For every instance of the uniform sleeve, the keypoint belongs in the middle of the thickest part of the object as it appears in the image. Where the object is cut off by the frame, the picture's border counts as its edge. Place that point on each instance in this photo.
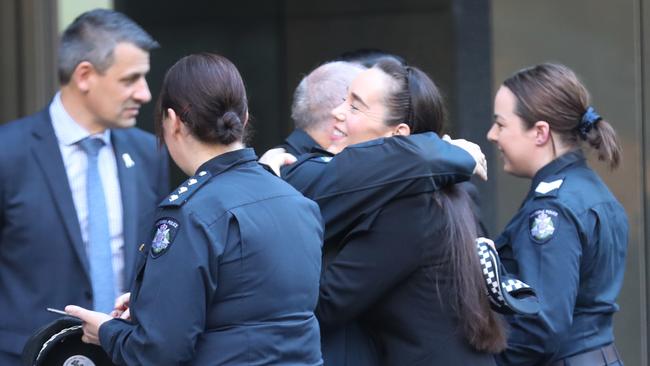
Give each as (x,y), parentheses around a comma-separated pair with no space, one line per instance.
(168,303)
(364,177)
(547,249)
(380,253)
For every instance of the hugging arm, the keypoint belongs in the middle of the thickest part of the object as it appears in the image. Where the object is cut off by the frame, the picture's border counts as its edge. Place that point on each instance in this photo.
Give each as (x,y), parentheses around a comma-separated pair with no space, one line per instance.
(366,176)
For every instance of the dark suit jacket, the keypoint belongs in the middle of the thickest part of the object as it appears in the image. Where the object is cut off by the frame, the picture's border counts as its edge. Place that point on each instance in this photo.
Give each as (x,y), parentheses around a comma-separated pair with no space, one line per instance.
(43,262)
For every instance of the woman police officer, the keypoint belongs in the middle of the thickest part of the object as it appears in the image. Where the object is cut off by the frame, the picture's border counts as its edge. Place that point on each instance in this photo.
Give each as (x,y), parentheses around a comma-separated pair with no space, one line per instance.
(569,238)
(231,274)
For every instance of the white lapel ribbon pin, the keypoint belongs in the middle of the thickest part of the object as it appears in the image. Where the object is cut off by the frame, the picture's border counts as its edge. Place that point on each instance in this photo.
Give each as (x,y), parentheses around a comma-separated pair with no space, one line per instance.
(128,162)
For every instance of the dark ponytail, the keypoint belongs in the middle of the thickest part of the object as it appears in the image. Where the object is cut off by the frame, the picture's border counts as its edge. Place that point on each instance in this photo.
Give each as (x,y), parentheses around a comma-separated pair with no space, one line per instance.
(483,328)
(415,100)
(603,139)
(553,93)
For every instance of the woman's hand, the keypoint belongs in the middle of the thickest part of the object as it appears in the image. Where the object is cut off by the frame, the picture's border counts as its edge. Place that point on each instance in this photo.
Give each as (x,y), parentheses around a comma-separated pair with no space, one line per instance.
(92,320)
(473,149)
(122,307)
(276,158)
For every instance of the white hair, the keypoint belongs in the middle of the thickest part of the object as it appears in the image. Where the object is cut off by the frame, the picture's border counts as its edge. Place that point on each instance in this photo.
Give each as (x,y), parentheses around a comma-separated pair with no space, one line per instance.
(320,92)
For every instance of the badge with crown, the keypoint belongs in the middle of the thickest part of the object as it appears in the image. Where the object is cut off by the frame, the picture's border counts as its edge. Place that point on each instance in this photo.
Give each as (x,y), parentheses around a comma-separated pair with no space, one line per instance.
(165,232)
(543,224)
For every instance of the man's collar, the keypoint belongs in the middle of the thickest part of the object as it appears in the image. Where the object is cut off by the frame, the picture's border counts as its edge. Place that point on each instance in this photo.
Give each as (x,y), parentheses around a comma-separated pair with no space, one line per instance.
(67,130)
(301,141)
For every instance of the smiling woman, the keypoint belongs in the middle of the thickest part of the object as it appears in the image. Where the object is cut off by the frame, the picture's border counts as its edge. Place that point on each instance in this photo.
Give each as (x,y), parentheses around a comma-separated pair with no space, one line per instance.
(361,116)
(401,282)
(512,137)
(569,237)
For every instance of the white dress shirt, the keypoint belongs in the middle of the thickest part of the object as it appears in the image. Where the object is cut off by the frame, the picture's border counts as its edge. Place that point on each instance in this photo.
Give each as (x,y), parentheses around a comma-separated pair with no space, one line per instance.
(69,133)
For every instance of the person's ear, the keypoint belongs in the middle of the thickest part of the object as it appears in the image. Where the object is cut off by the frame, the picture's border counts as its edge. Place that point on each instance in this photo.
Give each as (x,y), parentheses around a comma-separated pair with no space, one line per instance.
(82,76)
(542,132)
(174,122)
(402,129)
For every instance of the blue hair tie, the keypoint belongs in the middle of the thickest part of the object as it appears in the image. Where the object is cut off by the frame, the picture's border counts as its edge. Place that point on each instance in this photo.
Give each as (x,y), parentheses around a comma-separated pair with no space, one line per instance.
(589,119)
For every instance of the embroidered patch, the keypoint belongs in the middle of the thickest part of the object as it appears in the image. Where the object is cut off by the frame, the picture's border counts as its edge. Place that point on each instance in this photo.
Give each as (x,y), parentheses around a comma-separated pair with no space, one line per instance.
(543,224)
(166,230)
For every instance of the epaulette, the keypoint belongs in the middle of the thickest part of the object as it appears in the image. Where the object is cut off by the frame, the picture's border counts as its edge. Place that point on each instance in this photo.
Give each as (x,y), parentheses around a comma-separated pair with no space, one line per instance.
(549,189)
(181,194)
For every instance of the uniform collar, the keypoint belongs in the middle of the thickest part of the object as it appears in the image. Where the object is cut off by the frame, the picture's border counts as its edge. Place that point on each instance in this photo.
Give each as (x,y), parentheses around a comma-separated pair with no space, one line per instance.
(301,141)
(68,132)
(225,161)
(557,165)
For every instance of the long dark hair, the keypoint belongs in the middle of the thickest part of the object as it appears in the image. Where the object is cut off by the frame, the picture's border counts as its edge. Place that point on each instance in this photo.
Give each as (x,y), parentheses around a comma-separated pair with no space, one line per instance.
(415,100)
(553,93)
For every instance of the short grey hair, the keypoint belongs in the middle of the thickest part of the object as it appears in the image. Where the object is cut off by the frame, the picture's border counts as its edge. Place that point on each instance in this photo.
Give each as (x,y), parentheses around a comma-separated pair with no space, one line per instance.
(320,92)
(92,37)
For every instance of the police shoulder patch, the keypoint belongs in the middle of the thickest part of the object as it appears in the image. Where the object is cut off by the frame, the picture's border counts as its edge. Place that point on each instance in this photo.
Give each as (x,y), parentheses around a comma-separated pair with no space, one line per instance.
(543,224)
(166,229)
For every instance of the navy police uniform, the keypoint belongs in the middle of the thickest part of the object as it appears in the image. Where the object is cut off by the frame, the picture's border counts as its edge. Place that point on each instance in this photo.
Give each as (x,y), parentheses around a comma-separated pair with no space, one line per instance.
(230,276)
(299,142)
(568,241)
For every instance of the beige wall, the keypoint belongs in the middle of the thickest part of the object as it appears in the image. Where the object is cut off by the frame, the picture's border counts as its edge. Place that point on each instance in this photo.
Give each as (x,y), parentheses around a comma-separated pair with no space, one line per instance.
(70,9)
(27,44)
(29,31)
(602,41)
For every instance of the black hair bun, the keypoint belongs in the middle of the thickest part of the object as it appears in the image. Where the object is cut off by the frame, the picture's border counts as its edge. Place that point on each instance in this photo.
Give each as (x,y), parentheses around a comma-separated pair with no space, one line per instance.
(229,128)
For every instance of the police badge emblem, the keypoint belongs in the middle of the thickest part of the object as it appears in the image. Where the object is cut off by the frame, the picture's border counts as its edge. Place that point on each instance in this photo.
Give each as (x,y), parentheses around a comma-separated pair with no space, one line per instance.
(543,224)
(165,232)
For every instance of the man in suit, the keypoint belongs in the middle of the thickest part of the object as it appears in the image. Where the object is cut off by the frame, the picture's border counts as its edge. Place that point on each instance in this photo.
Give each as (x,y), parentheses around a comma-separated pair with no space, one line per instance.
(78,183)
(315,97)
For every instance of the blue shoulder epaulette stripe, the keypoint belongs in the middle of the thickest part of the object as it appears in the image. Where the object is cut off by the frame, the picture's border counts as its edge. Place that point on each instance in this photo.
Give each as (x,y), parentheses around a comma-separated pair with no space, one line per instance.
(180,195)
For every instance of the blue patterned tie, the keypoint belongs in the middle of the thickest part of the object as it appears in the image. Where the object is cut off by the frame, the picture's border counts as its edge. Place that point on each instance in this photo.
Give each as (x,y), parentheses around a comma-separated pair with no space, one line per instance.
(99,241)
